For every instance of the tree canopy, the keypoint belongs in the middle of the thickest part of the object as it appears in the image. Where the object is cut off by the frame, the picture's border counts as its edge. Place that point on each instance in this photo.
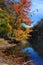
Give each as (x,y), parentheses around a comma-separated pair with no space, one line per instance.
(12,15)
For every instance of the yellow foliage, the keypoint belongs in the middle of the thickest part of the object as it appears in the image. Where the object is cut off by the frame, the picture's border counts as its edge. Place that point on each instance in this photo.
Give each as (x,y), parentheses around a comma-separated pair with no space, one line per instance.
(9,28)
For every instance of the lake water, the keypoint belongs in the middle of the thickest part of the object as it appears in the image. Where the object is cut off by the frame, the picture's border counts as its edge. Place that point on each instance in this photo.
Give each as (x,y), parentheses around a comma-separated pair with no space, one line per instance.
(36,59)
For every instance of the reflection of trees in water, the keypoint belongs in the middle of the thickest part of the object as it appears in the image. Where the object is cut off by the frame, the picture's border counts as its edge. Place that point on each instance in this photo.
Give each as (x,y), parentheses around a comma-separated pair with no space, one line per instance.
(37,38)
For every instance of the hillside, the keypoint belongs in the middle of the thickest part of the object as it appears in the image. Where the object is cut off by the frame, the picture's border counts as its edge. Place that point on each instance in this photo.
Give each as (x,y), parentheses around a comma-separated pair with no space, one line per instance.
(37,38)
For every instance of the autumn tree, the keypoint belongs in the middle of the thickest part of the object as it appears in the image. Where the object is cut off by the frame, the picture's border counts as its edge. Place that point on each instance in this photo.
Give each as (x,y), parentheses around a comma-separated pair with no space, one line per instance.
(17,16)
(12,16)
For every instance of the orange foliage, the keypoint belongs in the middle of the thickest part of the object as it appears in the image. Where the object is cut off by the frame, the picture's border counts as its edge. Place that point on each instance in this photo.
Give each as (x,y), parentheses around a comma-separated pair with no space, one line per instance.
(18,14)
(21,10)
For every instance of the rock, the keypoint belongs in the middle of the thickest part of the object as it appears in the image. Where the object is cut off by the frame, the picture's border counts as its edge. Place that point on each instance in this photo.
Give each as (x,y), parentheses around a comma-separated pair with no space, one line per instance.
(3,64)
(4,44)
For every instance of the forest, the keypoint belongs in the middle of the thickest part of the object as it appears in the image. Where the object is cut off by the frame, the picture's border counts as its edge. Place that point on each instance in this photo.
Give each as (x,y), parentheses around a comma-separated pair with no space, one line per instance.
(14,37)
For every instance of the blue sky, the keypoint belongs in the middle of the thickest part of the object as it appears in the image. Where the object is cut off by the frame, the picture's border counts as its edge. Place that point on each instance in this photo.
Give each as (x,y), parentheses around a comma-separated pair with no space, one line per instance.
(36,16)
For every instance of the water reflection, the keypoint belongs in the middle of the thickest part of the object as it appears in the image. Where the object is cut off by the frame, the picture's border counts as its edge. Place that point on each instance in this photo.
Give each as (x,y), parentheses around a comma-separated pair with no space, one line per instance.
(36,59)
